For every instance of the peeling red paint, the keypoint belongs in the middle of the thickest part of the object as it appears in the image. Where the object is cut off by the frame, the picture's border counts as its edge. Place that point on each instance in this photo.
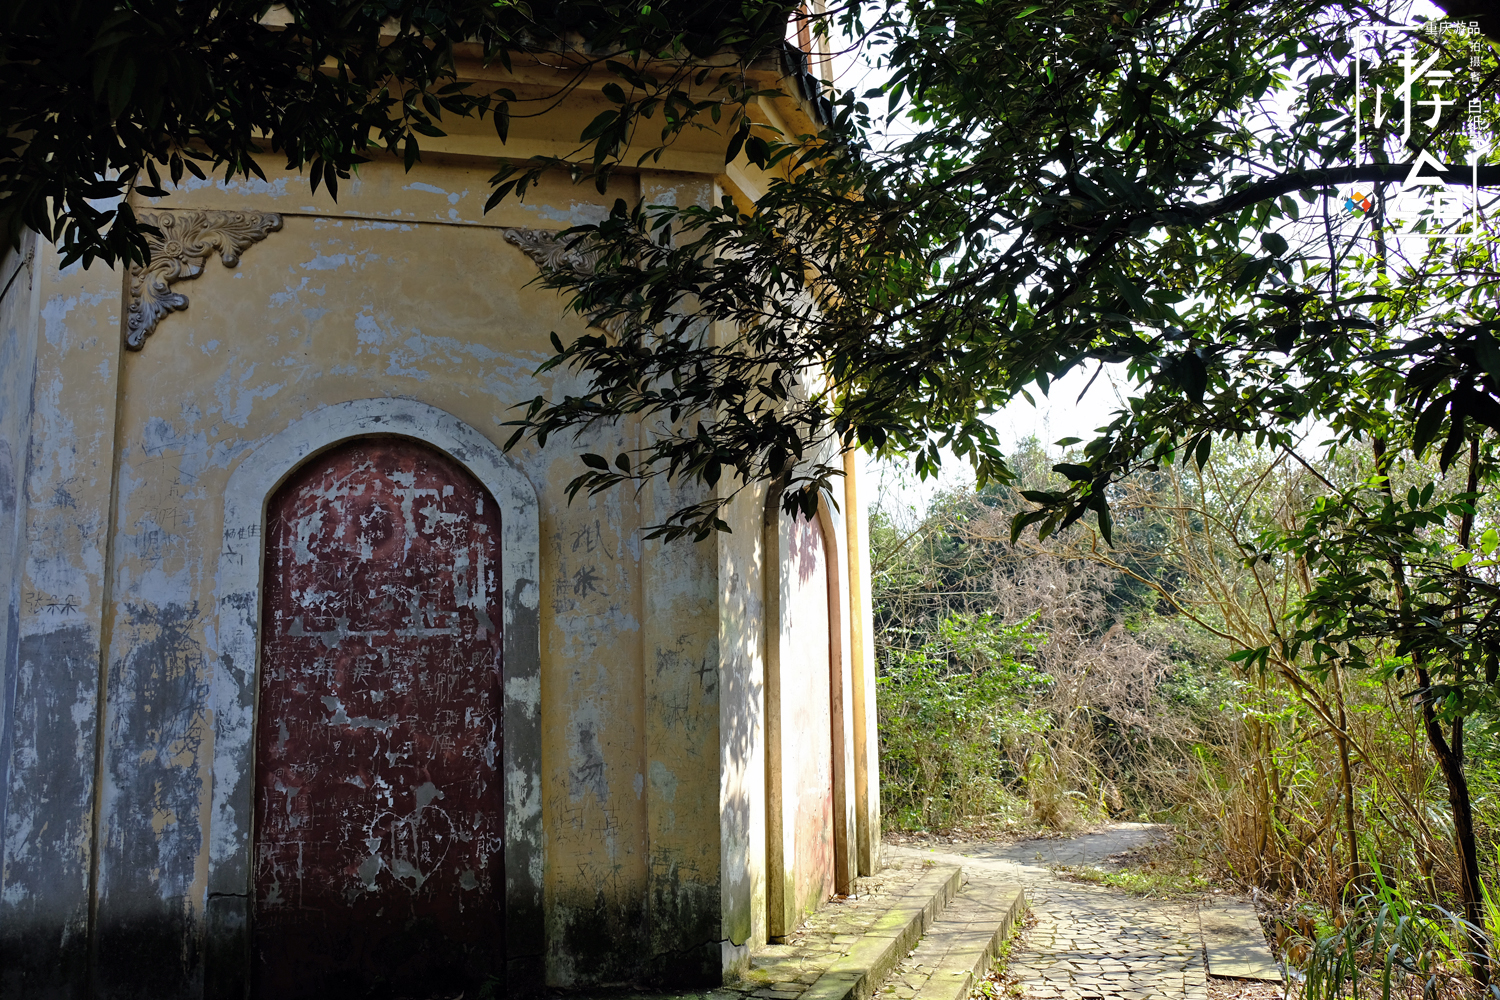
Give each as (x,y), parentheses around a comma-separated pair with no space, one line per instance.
(379,818)
(807,692)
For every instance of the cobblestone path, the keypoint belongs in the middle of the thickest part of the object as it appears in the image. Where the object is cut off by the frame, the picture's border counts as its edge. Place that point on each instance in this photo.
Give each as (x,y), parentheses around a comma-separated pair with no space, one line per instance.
(1088,941)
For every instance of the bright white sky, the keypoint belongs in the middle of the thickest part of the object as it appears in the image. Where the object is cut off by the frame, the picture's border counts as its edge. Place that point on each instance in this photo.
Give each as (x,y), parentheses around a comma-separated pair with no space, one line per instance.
(1061,414)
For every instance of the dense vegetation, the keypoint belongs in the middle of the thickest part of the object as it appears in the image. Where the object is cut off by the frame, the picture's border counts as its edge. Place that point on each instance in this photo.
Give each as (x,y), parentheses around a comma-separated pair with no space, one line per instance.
(1033,685)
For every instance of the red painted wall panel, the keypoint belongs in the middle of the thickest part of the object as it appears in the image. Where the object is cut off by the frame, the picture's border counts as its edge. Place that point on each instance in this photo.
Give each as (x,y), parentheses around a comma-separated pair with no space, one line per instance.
(379,816)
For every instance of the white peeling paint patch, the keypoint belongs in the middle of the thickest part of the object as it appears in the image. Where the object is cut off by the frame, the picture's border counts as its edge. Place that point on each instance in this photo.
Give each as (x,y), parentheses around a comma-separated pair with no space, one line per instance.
(210,347)
(240,185)
(55,315)
(226,453)
(530,595)
(237,396)
(454,197)
(400,227)
(368,330)
(516,377)
(639,784)
(160,587)
(445,350)
(579,213)
(342,718)
(664,788)
(523,800)
(663,782)
(83,709)
(395,367)
(290,296)
(55,456)
(331,262)
(526,692)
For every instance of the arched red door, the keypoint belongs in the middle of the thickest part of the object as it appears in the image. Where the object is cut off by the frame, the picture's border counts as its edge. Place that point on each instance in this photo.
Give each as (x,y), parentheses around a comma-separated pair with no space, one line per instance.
(379,817)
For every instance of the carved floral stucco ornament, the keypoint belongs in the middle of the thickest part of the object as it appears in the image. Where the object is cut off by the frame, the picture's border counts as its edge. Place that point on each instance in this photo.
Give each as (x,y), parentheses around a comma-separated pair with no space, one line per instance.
(186,242)
(550,251)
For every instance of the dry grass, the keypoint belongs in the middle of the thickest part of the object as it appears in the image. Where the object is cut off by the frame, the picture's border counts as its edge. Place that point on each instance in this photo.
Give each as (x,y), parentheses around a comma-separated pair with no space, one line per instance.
(1225,988)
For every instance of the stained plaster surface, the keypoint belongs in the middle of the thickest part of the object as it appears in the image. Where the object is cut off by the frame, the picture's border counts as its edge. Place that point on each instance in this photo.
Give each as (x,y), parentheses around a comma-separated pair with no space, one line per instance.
(327,310)
(652,655)
(742,787)
(403,288)
(52,666)
(787,970)
(17,364)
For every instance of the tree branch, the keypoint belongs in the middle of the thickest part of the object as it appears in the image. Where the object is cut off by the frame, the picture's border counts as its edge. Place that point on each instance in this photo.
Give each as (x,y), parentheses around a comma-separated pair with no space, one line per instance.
(1489,176)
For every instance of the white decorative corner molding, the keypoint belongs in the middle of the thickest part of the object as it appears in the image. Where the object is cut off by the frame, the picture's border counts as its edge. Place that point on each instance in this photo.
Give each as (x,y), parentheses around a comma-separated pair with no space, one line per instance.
(186,242)
(550,251)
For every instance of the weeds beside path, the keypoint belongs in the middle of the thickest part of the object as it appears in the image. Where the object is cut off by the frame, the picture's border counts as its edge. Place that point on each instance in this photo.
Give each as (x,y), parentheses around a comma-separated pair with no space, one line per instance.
(1089,939)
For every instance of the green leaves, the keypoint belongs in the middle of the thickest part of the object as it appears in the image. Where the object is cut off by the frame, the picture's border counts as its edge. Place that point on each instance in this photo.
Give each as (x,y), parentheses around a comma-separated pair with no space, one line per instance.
(737,142)
(1071,185)
(104,91)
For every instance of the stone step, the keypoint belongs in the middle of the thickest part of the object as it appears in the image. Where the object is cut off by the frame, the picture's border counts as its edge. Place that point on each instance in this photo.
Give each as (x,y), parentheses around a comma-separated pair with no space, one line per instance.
(869,960)
(962,944)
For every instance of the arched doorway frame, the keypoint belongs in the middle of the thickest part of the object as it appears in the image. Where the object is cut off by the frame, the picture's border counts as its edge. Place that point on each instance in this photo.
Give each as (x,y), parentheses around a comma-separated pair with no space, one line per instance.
(238,595)
(782,913)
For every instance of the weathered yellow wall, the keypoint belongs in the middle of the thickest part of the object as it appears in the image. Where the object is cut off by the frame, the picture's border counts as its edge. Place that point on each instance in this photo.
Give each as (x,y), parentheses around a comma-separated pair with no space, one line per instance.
(653,655)
(346,302)
(69,333)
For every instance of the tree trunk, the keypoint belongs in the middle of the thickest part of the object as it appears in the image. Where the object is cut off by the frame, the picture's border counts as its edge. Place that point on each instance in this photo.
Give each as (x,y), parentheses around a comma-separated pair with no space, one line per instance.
(1451,760)
(1451,755)
(1347,779)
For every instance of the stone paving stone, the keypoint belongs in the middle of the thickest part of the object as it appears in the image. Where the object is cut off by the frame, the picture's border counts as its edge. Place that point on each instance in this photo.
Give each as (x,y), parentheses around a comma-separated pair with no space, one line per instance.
(1088,941)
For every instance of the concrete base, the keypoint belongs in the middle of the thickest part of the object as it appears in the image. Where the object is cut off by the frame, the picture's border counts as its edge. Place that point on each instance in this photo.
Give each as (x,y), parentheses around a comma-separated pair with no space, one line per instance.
(1234,943)
(857,975)
(963,944)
